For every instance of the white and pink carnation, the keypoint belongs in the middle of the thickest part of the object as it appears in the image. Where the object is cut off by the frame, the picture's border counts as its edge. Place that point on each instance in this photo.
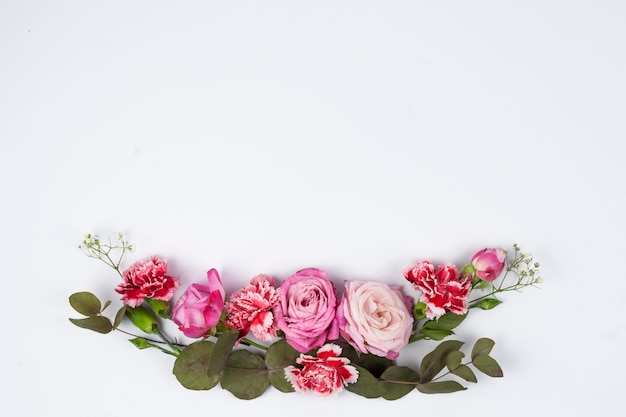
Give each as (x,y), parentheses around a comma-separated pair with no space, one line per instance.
(250,309)
(147,279)
(442,291)
(326,374)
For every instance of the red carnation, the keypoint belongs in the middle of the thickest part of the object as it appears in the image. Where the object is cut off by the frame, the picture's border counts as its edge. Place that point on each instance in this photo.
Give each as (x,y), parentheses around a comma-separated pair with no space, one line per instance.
(442,291)
(147,279)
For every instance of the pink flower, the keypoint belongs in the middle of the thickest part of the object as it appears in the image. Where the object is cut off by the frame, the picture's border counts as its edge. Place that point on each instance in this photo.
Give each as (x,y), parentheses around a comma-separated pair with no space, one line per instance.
(147,279)
(325,374)
(375,318)
(250,308)
(489,263)
(199,308)
(442,291)
(306,311)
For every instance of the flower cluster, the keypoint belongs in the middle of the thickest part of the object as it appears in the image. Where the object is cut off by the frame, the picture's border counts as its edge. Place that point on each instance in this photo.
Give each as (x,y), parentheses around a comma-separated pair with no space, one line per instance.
(308,324)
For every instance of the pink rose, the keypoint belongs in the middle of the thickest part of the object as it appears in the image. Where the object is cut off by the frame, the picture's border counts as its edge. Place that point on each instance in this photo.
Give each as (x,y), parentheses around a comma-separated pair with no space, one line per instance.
(375,318)
(199,308)
(147,279)
(250,309)
(489,263)
(442,291)
(306,311)
(325,374)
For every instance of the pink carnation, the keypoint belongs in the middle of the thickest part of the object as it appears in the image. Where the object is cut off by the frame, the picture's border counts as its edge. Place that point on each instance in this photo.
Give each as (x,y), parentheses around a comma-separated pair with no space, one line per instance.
(325,374)
(442,291)
(250,309)
(147,279)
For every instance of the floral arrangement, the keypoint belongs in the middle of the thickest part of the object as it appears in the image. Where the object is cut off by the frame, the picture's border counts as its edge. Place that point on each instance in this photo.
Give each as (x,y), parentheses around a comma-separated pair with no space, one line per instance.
(302,335)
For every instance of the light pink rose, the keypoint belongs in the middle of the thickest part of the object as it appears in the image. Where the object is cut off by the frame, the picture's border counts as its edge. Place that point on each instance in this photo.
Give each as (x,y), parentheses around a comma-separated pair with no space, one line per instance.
(306,311)
(375,318)
(489,263)
(442,291)
(325,374)
(199,308)
(147,279)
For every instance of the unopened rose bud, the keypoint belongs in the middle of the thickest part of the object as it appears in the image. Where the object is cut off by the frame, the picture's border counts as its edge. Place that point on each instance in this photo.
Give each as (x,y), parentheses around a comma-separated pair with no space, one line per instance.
(489,263)
(143,319)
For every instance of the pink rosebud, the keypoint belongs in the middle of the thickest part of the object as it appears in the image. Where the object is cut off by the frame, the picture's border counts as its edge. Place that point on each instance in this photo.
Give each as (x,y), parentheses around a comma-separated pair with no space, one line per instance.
(306,311)
(489,263)
(199,308)
(375,318)
(325,374)
(147,279)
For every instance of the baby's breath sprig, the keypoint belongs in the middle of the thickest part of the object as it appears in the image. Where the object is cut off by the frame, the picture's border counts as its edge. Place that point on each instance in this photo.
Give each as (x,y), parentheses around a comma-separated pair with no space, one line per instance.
(526,272)
(106,252)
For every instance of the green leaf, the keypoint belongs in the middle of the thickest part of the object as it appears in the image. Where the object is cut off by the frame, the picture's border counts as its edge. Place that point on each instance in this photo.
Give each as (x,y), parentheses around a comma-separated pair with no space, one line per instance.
(279,356)
(435,361)
(119,317)
(245,375)
(487,365)
(366,385)
(436,334)
(488,303)
(141,343)
(376,365)
(223,348)
(85,303)
(192,364)
(398,381)
(446,322)
(453,360)
(98,324)
(440,387)
(463,371)
(106,304)
(482,346)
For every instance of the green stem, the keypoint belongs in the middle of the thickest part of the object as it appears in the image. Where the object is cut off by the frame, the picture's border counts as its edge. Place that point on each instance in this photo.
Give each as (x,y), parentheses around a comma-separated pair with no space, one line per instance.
(249,342)
(175,350)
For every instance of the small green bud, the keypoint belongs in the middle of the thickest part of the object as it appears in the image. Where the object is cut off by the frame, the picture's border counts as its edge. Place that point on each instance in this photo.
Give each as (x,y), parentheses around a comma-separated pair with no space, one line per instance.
(161,308)
(419,311)
(143,319)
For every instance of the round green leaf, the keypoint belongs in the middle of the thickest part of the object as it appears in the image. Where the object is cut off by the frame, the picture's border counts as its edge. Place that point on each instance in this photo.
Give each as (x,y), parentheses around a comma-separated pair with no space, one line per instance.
(398,381)
(86,303)
(464,372)
(376,365)
(192,364)
(279,356)
(435,361)
(245,375)
(98,324)
(453,360)
(488,366)
(366,385)
(482,346)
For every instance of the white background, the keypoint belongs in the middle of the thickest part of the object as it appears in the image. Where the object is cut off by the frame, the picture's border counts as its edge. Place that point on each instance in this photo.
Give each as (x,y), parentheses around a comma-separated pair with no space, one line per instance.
(353,136)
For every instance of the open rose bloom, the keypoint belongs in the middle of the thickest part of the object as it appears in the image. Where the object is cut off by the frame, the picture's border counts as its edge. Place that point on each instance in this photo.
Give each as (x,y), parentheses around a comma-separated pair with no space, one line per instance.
(375,318)
(306,311)
(325,374)
(147,279)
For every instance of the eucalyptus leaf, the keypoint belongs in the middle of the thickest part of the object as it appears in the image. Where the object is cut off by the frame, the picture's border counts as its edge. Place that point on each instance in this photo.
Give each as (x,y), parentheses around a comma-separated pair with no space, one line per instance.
(119,317)
(482,346)
(487,365)
(463,371)
(435,361)
(376,365)
(366,385)
(398,381)
(446,322)
(223,348)
(190,367)
(279,356)
(106,304)
(453,360)
(86,303)
(245,375)
(440,387)
(98,324)
(436,334)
